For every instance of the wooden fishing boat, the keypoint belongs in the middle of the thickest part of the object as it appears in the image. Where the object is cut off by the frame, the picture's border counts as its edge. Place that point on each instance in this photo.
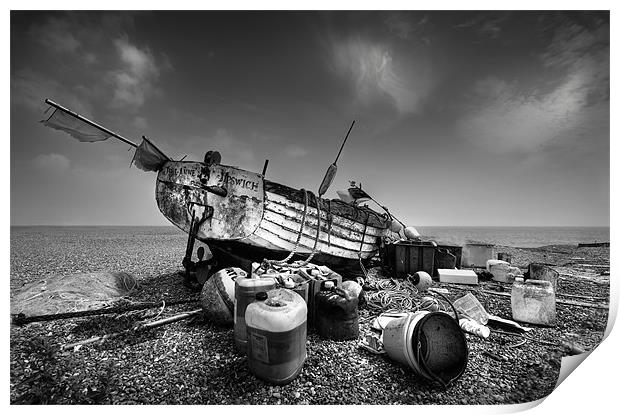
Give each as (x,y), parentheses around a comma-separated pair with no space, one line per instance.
(244,218)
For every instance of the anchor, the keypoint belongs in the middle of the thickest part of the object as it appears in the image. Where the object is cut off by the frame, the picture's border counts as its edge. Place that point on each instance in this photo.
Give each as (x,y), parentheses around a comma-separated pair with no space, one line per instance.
(189,265)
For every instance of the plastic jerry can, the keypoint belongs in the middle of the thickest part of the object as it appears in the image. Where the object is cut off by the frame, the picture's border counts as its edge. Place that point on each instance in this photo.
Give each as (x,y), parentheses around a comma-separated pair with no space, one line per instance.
(476,254)
(336,316)
(533,301)
(276,332)
(499,269)
(245,293)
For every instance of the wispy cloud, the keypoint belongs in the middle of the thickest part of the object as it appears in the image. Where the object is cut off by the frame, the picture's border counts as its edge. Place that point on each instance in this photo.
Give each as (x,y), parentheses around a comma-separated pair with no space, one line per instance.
(379,74)
(234,151)
(56,34)
(403,25)
(29,88)
(51,163)
(583,53)
(135,80)
(90,59)
(294,150)
(506,117)
(485,24)
(140,122)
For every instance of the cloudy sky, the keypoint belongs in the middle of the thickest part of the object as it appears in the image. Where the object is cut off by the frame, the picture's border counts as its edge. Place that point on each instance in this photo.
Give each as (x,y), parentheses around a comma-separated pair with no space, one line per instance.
(462,118)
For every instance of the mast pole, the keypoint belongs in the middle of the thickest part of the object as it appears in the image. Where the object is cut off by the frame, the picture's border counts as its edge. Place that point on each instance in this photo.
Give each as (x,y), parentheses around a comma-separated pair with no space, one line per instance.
(345,140)
(89,122)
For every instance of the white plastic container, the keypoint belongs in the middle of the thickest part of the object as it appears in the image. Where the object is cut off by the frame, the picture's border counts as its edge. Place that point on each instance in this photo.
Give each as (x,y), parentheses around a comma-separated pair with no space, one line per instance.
(476,255)
(499,270)
(533,301)
(458,276)
(491,262)
(276,332)
(472,327)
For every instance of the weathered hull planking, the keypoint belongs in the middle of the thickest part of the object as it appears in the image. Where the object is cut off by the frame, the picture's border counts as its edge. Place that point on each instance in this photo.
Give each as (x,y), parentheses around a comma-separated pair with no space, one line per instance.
(244,217)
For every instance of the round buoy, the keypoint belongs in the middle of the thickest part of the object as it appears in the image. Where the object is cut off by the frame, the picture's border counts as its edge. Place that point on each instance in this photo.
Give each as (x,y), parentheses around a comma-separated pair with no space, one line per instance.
(422,280)
(411,232)
(218,295)
(395,226)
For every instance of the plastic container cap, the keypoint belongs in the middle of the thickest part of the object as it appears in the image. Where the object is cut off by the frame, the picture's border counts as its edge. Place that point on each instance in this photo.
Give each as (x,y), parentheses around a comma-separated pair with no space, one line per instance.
(261,296)
(329,285)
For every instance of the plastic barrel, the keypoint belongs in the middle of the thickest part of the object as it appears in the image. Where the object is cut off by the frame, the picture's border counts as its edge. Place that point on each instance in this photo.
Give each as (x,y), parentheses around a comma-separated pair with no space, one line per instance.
(431,343)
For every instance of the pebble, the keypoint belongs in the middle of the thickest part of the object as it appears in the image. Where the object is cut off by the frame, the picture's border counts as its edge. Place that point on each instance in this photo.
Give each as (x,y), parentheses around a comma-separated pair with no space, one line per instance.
(347,374)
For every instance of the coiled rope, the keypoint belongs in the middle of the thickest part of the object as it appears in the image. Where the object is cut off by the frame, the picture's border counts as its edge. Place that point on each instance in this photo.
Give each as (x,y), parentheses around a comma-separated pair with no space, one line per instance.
(390,295)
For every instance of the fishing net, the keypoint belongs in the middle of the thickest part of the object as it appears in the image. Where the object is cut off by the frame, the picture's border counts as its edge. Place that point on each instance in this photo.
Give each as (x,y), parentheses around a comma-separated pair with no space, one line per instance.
(70,293)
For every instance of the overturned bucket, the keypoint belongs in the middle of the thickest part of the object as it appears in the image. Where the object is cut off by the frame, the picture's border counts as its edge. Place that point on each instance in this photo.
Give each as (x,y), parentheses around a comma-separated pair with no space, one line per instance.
(431,343)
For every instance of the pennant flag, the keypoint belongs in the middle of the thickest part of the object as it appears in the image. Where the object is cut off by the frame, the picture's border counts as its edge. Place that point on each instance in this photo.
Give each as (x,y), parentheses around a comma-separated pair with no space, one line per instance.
(63,121)
(148,157)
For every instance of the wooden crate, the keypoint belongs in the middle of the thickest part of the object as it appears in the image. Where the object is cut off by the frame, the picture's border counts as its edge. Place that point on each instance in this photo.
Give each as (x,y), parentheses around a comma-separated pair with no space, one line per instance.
(407,257)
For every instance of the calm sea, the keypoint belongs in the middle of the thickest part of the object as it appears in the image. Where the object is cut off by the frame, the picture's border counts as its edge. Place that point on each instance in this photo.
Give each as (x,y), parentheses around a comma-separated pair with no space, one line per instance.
(524,237)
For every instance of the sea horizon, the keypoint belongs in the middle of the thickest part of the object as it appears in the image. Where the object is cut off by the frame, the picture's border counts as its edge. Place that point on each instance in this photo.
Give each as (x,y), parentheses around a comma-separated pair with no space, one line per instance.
(515,236)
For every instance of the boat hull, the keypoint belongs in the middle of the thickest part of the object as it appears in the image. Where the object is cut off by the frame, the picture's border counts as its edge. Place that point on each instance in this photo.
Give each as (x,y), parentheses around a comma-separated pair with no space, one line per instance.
(257,219)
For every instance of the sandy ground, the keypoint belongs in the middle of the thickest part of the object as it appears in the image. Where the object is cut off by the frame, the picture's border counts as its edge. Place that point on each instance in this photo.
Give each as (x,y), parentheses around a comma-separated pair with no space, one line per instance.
(194,362)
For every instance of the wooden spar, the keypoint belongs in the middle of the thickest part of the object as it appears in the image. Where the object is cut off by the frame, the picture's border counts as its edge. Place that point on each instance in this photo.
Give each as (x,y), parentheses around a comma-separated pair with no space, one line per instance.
(21,319)
(92,124)
(345,140)
(265,167)
(141,326)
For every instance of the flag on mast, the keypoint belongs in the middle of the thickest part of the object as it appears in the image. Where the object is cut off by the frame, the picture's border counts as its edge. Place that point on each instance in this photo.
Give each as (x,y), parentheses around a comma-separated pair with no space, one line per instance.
(148,157)
(76,128)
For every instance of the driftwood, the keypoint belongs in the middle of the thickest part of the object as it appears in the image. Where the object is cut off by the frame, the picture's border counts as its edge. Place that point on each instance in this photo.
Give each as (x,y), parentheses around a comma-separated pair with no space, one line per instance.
(21,319)
(139,327)
(558,301)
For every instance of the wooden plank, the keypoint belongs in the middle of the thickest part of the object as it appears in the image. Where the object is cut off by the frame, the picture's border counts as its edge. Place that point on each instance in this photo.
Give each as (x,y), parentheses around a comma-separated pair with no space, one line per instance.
(337,232)
(308,234)
(355,213)
(308,241)
(306,245)
(294,211)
